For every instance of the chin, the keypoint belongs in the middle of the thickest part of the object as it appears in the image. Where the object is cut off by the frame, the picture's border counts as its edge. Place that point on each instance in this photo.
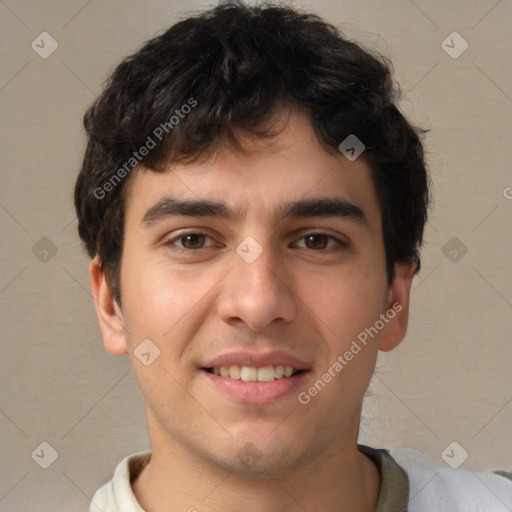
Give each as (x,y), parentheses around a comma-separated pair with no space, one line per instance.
(260,454)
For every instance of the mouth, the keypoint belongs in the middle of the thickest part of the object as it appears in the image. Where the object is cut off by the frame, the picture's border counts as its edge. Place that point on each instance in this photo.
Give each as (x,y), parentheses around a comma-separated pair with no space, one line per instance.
(254,373)
(256,379)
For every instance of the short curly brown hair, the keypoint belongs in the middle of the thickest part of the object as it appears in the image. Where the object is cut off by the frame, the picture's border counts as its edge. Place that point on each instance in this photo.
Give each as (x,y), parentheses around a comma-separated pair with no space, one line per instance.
(232,66)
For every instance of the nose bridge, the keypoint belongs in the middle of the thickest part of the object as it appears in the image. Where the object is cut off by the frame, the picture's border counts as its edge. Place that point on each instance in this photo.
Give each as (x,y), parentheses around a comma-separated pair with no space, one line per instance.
(258,273)
(256,291)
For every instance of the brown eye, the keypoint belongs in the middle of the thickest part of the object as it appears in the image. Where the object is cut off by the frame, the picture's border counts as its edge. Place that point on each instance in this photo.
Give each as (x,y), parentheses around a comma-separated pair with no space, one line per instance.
(192,241)
(320,242)
(317,241)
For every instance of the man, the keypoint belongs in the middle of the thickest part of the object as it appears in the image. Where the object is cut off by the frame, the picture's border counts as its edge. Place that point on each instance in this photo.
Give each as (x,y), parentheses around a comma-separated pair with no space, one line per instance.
(253,203)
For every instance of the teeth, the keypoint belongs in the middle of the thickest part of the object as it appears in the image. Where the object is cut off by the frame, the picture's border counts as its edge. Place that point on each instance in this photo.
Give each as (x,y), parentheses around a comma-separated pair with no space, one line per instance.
(253,374)
(279,372)
(249,374)
(266,374)
(234,371)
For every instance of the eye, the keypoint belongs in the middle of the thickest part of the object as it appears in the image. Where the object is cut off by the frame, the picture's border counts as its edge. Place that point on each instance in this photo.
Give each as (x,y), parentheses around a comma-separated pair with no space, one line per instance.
(319,241)
(191,240)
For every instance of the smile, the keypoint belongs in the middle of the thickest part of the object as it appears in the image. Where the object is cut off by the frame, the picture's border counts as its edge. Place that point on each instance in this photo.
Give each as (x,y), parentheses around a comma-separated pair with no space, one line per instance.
(253,373)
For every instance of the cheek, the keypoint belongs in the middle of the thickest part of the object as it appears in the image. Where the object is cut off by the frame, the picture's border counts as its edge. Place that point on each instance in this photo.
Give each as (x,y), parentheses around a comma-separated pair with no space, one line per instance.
(346,303)
(160,302)
(151,299)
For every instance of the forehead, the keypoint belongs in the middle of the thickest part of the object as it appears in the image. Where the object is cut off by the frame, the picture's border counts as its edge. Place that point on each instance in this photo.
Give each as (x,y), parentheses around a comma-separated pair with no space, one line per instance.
(259,182)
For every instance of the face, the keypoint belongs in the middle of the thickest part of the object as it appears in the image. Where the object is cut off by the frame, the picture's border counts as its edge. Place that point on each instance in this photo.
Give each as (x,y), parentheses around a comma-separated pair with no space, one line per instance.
(240,269)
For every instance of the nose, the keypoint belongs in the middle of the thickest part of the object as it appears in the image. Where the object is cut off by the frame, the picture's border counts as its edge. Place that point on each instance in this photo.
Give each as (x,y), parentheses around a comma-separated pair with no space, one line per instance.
(257,294)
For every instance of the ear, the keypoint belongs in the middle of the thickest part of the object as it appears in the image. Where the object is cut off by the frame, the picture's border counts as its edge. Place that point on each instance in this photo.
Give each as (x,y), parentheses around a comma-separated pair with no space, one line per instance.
(398,303)
(110,316)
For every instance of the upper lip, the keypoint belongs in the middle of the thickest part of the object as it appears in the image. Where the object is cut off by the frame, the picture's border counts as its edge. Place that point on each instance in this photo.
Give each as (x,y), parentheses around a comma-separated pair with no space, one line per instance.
(256,359)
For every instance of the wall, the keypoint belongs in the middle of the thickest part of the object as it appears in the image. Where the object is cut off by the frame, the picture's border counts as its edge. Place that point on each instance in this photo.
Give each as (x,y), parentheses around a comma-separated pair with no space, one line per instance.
(449,381)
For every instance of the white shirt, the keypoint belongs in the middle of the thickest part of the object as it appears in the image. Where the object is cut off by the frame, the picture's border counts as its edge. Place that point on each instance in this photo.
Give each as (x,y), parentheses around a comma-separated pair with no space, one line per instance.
(409,483)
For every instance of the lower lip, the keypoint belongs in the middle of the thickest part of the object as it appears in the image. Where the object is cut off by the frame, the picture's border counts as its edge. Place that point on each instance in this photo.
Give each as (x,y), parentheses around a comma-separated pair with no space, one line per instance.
(256,393)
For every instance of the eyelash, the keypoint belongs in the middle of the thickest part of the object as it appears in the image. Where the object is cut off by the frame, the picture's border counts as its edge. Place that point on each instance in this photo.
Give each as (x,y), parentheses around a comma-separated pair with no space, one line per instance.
(171,244)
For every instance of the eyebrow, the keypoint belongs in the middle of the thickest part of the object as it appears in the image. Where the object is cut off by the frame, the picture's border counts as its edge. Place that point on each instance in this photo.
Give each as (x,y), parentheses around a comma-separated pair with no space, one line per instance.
(303,208)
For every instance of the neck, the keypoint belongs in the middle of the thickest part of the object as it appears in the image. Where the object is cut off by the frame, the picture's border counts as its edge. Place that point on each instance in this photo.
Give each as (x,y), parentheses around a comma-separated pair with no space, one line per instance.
(340,479)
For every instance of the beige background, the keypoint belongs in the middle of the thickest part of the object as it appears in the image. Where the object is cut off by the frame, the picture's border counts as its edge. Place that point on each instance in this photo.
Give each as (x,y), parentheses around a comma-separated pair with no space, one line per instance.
(449,381)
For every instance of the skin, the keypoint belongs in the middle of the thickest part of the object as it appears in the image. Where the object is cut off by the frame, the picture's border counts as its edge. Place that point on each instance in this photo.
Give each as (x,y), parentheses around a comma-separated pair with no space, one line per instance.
(300,296)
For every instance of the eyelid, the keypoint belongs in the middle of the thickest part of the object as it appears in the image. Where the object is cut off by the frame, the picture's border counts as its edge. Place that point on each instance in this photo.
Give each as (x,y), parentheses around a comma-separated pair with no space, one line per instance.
(182,234)
(338,240)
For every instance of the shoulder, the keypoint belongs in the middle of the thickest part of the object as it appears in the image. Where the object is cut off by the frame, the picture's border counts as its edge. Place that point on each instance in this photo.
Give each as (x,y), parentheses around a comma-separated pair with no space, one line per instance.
(450,489)
(117,495)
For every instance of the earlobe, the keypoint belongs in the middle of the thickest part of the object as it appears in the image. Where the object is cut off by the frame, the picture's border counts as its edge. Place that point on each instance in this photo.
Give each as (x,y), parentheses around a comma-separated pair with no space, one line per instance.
(110,316)
(398,306)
